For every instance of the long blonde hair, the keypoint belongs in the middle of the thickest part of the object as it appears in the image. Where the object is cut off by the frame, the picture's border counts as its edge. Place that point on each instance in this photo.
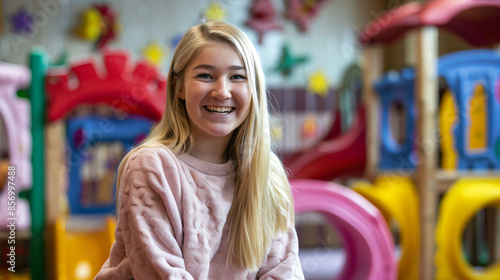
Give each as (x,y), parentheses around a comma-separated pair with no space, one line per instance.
(263,204)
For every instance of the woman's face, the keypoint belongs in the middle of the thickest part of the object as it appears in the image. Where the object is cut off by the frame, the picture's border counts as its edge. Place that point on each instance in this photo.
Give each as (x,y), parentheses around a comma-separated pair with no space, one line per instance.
(215,89)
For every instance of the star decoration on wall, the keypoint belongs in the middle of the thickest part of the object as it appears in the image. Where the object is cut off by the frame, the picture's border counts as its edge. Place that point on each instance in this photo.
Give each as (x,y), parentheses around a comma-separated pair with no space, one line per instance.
(303,11)
(289,61)
(215,12)
(22,21)
(154,53)
(262,18)
(318,83)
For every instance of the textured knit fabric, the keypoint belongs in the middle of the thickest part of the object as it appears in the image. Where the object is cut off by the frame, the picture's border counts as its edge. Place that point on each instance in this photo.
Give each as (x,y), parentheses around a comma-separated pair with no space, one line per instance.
(172,223)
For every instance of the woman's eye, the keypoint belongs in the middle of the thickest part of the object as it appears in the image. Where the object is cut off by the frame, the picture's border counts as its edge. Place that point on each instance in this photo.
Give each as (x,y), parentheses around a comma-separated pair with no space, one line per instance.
(204,76)
(238,77)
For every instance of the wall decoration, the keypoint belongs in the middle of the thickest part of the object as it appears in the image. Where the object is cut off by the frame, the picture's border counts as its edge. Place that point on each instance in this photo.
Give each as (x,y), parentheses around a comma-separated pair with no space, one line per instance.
(154,53)
(303,11)
(318,83)
(111,26)
(215,12)
(289,61)
(262,18)
(309,127)
(175,40)
(276,131)
(98,24)
(22,21)
(90,27)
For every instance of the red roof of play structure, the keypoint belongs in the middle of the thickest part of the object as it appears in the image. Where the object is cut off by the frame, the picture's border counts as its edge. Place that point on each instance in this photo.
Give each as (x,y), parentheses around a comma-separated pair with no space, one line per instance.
(475,21)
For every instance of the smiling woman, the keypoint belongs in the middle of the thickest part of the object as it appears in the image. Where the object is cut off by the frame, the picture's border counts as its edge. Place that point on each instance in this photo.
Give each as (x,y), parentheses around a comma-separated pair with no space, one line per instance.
(204,197)
(217,98)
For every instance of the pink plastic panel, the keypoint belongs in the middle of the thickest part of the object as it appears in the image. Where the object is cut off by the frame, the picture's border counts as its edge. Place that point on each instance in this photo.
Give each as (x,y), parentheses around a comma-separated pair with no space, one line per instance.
(367,240)
(16,117)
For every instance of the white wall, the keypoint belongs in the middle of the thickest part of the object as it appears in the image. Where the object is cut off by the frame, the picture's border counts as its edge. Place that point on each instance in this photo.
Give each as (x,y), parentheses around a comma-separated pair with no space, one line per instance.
(330,41)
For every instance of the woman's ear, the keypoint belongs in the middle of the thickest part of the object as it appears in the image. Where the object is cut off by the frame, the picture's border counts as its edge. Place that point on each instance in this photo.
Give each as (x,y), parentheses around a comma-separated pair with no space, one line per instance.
(182,95)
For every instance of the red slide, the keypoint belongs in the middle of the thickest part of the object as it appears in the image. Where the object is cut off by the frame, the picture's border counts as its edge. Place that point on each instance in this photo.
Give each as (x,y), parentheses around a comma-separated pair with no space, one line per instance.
(344,155)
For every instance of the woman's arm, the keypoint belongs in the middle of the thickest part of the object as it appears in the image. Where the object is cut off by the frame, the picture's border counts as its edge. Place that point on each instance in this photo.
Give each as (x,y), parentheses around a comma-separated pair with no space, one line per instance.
(282,261)
(149,228)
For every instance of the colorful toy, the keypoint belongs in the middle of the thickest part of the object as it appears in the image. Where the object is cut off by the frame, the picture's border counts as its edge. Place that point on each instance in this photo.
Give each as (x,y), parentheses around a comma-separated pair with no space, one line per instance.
(154,53)
(472,77)
(397,198)
(15,114)
(318,83)
(397,88)
(303,11)
(98,24)
(288,61)
(310,127)
(370,251)
(82,134)
(111,26)
(90,26)
(81,254)
(215,12)
(262,18)
(22,21)
(462,201)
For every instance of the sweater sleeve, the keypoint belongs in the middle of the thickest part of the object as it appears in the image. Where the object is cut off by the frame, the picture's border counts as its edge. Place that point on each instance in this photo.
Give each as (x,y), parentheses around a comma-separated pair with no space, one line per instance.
(149,227)
(282,261)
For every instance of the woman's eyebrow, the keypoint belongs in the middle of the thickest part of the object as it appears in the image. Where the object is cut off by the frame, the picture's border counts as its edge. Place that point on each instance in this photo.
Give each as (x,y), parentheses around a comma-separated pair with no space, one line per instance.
(210,67)
(236,67)
(204,66)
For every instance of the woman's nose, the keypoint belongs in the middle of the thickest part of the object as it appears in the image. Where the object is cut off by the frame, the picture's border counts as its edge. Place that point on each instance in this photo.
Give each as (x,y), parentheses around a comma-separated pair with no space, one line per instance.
(221,90)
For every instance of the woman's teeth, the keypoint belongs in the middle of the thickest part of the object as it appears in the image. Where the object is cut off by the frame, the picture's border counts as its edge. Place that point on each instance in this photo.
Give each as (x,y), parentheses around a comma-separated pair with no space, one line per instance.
(219,110)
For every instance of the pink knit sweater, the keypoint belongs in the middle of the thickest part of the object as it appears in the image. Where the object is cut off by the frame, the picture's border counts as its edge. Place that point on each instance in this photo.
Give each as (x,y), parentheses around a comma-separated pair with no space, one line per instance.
(172,223)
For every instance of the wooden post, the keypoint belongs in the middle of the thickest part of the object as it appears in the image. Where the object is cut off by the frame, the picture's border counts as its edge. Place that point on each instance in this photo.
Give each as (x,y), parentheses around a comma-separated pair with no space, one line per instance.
(55,187)
(426,88)
(371,65)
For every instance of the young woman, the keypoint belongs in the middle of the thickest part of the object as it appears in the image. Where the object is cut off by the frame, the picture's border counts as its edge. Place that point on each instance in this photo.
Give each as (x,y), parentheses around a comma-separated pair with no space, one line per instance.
(204,197)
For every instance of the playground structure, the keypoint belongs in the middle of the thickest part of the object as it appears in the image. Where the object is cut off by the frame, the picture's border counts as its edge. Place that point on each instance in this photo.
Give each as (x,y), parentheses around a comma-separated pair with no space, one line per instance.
(76,139)
(470,149)
(407,116)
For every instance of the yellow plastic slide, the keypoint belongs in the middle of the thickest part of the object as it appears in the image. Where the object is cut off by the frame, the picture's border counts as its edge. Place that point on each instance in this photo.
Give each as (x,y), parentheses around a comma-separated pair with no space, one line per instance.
(81,253)
(397,199)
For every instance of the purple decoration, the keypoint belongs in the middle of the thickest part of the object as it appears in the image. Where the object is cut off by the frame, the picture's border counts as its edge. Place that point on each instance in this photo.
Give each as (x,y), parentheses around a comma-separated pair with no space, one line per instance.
(22,21)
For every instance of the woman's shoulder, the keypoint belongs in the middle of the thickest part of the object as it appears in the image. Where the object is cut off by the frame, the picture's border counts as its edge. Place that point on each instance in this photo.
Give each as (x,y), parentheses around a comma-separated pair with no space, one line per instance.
(152,157)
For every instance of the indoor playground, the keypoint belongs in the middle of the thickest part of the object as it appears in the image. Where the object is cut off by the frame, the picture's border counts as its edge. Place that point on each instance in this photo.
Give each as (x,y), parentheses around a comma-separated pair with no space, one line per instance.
(385,113)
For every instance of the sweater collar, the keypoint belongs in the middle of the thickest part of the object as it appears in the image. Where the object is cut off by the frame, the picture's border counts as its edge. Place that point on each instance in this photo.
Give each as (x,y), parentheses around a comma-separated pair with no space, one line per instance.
(206,167)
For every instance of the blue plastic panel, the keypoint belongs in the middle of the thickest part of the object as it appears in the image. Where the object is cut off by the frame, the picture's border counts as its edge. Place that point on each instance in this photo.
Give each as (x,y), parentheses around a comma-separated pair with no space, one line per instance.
(463,71)
(397,87)
(86,132)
